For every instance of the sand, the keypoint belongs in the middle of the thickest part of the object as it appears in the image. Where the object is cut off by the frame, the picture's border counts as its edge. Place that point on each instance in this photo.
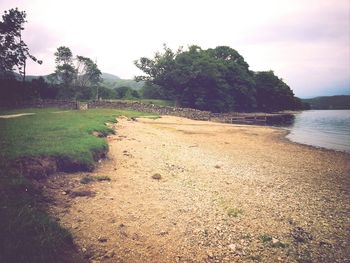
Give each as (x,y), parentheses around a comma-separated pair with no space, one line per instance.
(222,193)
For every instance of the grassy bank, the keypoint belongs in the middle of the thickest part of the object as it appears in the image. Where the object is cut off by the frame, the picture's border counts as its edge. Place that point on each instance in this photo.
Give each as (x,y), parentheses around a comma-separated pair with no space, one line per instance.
(28,234)
(53,132)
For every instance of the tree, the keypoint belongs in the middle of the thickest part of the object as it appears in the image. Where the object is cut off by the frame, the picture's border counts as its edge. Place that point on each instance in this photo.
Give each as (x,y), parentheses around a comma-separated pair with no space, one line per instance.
(65,71)
(215,79)
(79,77)
(88,74)
(126,93)
(273,94)
(13,51)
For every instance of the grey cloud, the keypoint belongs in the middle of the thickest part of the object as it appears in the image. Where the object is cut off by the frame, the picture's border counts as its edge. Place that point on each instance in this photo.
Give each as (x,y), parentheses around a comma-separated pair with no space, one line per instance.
(323,25)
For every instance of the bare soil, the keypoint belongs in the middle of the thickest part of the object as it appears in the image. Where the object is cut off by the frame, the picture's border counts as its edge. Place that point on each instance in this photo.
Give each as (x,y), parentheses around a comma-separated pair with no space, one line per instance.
(194,191)
(15,115)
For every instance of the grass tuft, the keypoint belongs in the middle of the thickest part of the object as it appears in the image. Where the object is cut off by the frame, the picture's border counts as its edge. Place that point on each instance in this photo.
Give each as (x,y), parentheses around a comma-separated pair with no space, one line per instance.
(234,212)
(265,238)
(100,178)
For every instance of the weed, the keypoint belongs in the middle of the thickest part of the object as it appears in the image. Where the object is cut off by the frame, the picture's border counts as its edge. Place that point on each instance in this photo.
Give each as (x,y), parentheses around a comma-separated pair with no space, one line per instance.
(102,178)
(265,238)
(234,212)
(86,179)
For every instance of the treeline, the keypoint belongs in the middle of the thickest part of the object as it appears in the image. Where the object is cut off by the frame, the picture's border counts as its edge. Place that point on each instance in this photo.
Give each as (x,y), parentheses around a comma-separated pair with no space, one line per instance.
(13,91)
(217,79)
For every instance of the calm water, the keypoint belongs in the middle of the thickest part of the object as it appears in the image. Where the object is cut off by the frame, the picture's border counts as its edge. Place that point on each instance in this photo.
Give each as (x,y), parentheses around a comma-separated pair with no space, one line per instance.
(323,128)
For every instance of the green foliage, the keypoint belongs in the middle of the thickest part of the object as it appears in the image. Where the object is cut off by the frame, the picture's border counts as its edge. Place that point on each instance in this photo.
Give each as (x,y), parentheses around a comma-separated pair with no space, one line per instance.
(78,80)
(86,179)
(151,91)
(217,79)
(13,51)
(265,238)
(272,93)
(126,93)
(341,102)
(65,134)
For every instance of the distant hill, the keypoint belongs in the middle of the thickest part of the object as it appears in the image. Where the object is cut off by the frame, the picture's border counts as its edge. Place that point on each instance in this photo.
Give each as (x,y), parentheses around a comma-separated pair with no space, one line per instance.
(111,77)
(108,80)
(339,102)
(111,81)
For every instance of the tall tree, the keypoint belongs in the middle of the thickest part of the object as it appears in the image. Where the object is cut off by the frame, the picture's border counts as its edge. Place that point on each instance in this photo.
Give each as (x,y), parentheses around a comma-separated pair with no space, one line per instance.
(65,71)
(14,52)
(88,74)
(79,77)
(215,79)
(272,93)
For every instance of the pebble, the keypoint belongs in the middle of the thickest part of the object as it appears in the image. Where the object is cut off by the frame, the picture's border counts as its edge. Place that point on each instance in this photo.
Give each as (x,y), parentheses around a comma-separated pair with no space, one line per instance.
(232,247)
(102,239)
(275,241)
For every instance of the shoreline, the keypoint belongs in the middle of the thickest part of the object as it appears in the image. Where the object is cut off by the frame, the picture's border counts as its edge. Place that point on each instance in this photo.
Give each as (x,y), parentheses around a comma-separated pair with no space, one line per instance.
(230,193)
(284,137)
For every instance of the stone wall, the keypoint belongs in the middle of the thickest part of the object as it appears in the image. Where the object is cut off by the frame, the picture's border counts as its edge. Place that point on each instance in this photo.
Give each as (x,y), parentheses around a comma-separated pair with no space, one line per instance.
(151,108)
(232,117)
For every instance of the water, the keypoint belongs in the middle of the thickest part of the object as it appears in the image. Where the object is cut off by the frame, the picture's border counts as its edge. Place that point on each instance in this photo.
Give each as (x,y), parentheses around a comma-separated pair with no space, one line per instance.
(322,128)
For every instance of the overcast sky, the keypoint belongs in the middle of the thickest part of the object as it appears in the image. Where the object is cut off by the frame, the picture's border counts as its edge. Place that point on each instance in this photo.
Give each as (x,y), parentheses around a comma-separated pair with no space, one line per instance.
(306,42)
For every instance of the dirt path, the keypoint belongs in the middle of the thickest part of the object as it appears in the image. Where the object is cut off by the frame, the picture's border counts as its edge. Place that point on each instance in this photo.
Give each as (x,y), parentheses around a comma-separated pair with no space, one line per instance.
(226,194)
(15,115)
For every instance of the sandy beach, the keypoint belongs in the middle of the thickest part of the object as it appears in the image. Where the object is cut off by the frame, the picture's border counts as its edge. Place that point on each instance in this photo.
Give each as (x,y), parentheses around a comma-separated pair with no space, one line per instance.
(219,193)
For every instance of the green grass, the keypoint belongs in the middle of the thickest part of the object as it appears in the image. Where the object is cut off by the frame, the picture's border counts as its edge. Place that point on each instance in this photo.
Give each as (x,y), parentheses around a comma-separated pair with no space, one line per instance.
(66,134)
(265,238)
(27,233)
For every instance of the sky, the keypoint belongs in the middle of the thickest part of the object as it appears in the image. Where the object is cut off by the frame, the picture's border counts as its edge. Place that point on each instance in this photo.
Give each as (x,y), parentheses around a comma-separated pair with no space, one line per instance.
(305,42)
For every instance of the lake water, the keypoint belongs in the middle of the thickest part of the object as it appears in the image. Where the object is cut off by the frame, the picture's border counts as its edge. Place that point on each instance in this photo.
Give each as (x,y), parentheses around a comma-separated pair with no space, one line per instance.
(323,128)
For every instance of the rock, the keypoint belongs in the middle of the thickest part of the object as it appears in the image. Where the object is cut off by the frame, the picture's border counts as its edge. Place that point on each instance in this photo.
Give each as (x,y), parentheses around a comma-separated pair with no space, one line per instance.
(123,230)
(300,235)
(232,247)
(82,193)
(156,176)
(109,254)
(64,192)
(102,239)
(163,233)
(275,241)
(210,254)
